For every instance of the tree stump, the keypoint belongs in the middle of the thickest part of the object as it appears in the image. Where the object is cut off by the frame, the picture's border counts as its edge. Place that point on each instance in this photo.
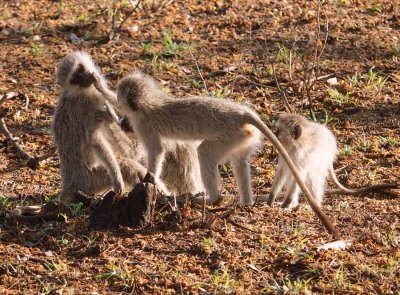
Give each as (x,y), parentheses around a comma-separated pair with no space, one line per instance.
(135,210)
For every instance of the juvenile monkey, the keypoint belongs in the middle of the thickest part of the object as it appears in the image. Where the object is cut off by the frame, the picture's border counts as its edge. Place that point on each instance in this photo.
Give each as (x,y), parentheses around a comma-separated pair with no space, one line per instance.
(88,162)
(313,149)
(224,129)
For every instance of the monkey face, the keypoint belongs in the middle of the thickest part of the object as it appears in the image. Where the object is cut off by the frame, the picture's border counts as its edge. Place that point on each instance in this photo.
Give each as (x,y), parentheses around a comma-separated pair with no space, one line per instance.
(81,77)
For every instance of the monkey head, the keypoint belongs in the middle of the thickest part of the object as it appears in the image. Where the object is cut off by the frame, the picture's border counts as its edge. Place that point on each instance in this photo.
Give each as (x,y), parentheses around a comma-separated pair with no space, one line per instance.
(76,69)
(81,77)
(289,129)
(136,88)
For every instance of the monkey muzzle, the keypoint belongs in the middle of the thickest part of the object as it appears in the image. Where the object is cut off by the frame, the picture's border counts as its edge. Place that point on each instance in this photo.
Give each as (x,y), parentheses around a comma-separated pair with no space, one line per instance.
(84,79)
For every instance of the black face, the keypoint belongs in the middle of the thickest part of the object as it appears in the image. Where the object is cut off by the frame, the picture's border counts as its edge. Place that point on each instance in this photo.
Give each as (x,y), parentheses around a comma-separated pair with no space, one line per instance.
(81,77)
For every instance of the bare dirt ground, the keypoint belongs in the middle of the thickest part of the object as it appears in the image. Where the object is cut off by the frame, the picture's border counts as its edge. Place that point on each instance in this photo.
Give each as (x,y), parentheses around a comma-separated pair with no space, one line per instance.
(226,48)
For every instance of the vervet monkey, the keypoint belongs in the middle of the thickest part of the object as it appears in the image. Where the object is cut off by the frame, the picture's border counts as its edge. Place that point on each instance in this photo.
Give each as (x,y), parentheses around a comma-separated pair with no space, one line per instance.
(224,129)
(180,170)
(88,162)
(313,149)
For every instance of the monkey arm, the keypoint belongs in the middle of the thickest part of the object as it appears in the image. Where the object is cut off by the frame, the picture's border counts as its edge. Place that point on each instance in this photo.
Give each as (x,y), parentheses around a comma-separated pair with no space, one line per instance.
(101,86)
(106,155)
(108,114)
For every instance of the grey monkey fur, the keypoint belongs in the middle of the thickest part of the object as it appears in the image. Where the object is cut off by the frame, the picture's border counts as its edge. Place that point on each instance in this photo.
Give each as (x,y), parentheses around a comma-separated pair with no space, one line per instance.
(180,170)
(313,149)
(87,160)
(226,130)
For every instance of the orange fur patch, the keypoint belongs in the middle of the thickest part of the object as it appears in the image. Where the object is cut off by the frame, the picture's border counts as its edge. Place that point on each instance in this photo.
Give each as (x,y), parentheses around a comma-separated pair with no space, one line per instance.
(248,129)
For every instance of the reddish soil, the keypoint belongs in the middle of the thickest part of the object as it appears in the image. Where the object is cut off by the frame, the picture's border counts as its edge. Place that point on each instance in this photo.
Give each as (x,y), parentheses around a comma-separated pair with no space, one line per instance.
(232,47)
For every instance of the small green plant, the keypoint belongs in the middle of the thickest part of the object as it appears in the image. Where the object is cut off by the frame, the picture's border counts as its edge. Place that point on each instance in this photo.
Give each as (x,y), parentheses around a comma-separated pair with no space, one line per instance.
(173,49)
(341,281)
(147,48)
(76,207)
(328,118)
(390,238)
(353,79)
(271,71)
(296,250)
(392,265)
(224,170)
(121,276)
(374,8)
(4,202)
(338,97)
(38,49)
(47,199)
(283,54)
(222,92)
(374,175)
(63,242)
(53,266)
(298,286)
(375,81)
(162,65)
(346,151)
(196,84)
(81,18)
(208,243)
(222,281)
(89,239)
(365,145)
(63,5)
(27,32)
(123,4)
(389,141)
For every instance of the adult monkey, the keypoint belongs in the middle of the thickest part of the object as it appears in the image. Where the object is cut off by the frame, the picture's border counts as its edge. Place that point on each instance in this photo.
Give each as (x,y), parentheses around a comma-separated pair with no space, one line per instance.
(85,144)
(226,130)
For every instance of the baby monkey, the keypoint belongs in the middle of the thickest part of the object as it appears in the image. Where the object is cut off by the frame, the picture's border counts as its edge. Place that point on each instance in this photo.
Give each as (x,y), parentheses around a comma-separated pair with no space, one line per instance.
(313,149)
(224,130)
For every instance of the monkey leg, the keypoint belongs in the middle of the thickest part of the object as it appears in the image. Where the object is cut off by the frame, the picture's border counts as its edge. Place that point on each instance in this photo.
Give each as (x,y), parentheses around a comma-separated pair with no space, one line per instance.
(210,154)
(292,198)
(283,178)
(181,171)
(241,169)
(317,187)
(132,173)
(277,184)
(155,156)
(105,153)
(91,182)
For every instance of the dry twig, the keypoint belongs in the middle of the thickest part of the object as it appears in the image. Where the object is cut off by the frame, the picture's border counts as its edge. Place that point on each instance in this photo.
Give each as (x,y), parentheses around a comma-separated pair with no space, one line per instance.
(29,161)
(127,16)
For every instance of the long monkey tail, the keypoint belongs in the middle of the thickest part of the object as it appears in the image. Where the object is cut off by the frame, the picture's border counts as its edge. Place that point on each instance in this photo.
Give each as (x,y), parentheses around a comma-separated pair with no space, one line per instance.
(361,190)
(260,125)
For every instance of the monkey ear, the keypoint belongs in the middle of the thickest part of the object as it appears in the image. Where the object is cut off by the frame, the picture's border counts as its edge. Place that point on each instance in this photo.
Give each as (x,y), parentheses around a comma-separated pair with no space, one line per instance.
(297,132)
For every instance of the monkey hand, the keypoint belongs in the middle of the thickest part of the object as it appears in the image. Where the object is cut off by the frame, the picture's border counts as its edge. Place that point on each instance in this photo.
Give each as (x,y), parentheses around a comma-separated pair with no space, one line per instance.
(103,116)
(118,184)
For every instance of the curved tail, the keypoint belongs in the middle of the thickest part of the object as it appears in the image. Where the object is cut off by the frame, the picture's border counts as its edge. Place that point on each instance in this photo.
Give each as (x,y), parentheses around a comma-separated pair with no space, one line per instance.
(260,125)
(361,190)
